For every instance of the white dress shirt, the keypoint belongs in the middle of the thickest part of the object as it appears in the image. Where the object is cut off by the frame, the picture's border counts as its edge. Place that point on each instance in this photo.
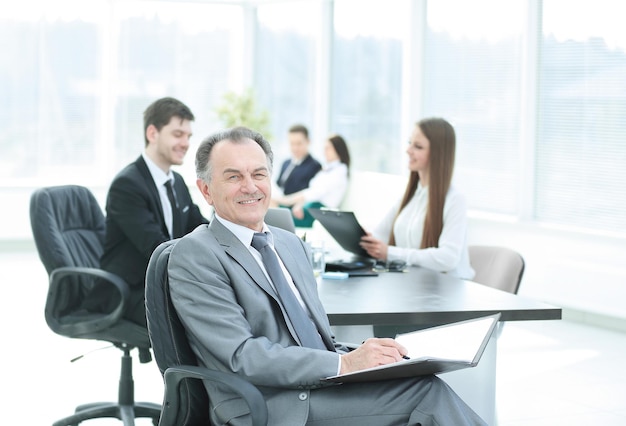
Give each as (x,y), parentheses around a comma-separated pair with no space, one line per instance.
(159,177)
(329,185)
(451,256)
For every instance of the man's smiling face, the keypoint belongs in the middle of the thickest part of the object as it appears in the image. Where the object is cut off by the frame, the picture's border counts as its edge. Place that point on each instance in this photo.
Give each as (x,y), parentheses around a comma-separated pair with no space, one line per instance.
(240,186)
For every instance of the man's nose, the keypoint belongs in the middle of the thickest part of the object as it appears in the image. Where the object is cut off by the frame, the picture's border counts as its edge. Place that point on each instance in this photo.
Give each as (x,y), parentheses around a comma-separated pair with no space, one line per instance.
(248,185)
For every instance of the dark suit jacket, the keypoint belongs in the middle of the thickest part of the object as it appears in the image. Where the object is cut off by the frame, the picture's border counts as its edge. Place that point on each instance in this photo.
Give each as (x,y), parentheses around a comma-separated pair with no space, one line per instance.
(135,226)
(300,175)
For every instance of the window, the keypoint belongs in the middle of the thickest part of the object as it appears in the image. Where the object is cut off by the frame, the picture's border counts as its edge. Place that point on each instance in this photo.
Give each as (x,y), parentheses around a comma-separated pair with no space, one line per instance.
(472,71)
(366,82)
(80,74)
(191,51)
(286,69)
(536,90)
(49,85)
(581,149)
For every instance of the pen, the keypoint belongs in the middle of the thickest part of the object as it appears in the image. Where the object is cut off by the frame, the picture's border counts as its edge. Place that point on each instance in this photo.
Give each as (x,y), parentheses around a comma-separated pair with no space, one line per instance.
(405,357)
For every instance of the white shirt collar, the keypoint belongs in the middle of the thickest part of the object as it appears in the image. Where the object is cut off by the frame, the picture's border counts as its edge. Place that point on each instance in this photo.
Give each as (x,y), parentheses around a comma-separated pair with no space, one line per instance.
(242,233)
(158,175)
(332,164)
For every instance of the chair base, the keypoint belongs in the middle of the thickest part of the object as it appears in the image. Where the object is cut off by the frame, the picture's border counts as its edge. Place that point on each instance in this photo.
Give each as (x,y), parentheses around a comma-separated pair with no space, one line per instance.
(126,413)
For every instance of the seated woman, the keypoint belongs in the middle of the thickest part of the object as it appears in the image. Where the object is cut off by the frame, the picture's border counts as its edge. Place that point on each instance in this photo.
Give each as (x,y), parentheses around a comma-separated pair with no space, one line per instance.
(326,189)
(428,226)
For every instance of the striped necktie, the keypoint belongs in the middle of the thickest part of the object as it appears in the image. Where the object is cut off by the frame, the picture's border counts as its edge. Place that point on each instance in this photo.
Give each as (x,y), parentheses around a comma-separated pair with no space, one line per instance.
(305,329)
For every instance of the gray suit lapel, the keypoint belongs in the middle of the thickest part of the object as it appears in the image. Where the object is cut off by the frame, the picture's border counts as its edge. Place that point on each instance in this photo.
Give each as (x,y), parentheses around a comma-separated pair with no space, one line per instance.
(142,167)
(236,250)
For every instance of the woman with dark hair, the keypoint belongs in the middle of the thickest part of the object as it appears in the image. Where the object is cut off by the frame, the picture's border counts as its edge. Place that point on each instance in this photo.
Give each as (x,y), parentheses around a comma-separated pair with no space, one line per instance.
(428,226)
(327,188)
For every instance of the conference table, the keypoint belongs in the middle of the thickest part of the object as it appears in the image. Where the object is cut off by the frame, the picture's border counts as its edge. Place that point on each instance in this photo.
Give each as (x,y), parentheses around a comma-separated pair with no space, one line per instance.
(421,298)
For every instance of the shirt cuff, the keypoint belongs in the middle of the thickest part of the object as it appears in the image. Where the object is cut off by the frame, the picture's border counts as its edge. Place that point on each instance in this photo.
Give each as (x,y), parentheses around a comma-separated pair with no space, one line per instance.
(395,253)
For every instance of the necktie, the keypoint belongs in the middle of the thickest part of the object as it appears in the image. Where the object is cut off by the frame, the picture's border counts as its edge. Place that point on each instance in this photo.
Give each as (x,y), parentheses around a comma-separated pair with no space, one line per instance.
(176,226)
(283,178)
(303,325)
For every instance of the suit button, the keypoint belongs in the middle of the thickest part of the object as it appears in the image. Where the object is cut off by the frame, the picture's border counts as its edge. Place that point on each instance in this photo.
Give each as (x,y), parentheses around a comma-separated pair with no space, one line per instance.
(302,396)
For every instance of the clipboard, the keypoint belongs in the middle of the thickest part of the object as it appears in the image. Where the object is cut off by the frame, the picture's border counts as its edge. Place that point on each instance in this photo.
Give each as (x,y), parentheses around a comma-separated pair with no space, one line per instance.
(343,227)
(433,350)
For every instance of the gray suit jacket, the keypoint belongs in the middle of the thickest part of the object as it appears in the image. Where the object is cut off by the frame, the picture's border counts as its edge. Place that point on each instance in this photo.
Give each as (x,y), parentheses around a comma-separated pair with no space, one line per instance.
(235,323)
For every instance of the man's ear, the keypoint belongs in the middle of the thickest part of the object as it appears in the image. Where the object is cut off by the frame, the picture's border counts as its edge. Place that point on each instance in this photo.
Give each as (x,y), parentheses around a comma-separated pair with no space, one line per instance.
(204,190)
(151,133)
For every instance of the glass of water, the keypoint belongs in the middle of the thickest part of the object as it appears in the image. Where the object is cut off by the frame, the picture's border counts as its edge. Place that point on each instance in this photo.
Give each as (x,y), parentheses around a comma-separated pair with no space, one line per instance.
(318,261)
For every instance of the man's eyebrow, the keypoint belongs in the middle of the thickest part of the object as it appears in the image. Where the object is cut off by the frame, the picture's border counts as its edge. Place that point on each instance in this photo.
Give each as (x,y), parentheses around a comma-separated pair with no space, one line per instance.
(231,170)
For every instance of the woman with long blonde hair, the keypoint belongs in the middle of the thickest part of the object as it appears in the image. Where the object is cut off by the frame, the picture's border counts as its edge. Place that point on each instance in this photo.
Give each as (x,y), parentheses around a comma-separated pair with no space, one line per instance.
(428,226)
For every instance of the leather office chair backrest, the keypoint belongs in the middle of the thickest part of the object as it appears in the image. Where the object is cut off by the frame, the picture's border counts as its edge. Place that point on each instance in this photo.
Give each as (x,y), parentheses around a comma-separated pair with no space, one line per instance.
(169,341)
(186,402)
(68,227)
(497,267)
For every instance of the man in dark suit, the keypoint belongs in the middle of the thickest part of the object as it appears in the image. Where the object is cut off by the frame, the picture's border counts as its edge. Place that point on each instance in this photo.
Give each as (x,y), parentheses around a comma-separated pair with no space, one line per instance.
(140,214)
(296,172)
(247,297)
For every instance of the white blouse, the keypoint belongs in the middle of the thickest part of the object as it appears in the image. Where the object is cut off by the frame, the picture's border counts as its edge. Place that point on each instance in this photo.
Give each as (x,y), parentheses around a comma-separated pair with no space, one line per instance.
(451,256)
(329,185)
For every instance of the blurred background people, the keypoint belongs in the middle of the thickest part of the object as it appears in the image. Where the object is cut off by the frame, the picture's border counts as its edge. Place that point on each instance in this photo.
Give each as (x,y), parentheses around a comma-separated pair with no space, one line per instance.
(326,189)
(296,173)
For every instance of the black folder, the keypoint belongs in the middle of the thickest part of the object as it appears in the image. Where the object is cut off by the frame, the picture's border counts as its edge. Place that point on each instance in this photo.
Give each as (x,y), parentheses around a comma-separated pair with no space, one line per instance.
(433,350)
(344,228)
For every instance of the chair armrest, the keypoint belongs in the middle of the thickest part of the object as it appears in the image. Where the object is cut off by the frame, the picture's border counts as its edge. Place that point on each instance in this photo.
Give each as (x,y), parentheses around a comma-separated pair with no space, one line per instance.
(349,346)
(173,377)
(102,321)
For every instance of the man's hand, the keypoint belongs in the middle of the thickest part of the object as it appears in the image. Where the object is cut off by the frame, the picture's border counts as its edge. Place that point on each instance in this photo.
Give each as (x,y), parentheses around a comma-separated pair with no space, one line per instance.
(372,353)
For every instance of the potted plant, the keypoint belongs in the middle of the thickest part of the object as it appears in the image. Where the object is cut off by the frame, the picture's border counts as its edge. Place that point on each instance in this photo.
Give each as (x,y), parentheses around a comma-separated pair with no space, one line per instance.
(242,109)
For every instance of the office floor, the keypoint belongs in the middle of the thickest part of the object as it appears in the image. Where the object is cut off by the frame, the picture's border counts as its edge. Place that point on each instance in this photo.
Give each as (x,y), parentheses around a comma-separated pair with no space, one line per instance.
(549,373)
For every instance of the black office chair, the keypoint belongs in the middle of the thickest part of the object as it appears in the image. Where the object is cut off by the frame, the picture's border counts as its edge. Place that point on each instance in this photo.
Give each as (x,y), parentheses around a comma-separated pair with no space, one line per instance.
(186,402)
(68,228)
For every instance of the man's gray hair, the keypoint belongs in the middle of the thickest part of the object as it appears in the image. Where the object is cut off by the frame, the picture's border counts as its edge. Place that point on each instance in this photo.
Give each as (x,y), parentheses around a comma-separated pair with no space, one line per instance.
(236,135)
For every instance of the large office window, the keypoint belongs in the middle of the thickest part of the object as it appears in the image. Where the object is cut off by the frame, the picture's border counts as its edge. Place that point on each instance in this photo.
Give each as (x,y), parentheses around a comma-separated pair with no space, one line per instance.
(191,51)
(78,75)
(581,135)
(472,71)
(535,89)
(49,74)
(286,68)
(366,81)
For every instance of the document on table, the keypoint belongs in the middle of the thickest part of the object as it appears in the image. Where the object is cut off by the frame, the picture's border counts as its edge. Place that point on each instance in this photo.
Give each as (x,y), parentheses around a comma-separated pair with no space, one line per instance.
(433,350)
